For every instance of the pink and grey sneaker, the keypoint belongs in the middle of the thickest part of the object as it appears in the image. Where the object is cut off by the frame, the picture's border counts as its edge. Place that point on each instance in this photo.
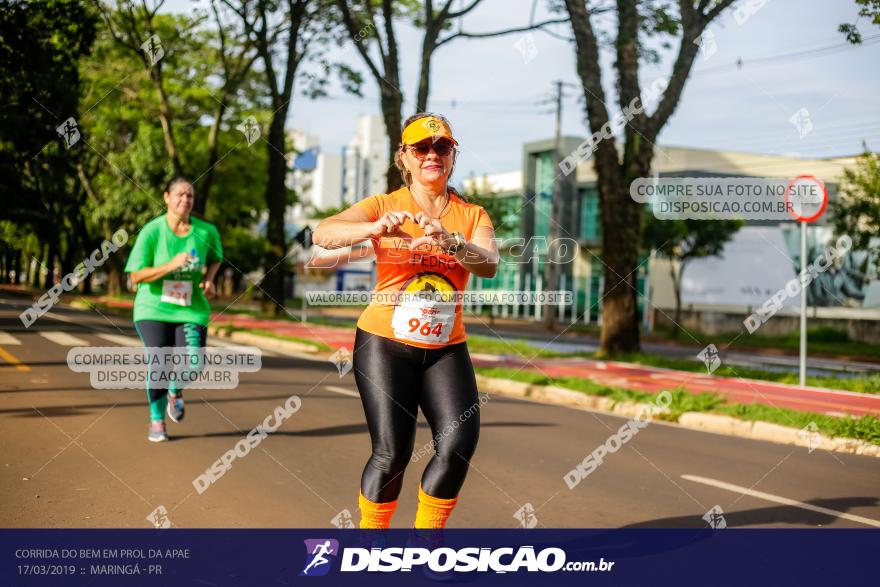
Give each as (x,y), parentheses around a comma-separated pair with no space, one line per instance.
(157,431)
(176,410)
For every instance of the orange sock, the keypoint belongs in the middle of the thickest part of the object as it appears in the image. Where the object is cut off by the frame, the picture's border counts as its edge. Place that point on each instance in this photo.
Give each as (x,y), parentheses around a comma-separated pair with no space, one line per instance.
(375,515)
(433,511)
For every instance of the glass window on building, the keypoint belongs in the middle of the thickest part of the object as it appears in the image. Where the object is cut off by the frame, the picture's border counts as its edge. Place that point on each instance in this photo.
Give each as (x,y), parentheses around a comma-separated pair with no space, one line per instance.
(543,193)
(509,216)
(591,224)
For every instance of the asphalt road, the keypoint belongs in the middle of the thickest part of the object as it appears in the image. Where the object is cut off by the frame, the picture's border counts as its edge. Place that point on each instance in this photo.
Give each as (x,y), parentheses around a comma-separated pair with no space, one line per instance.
(74,456)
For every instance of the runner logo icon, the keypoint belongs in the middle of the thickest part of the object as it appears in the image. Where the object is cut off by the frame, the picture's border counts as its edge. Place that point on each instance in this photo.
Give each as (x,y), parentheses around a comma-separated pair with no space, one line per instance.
(319,553)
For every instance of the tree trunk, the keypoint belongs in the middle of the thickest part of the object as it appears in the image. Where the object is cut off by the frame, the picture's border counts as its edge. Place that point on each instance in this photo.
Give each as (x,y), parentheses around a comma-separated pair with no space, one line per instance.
(621,234)
(392,106)
(50,261)
(620,224)
(87,285)
(116,280)
(676,288)
(276,201)
(165,118)
(37,264)
(16,266)
(67,261)
(207,182)
(428,45)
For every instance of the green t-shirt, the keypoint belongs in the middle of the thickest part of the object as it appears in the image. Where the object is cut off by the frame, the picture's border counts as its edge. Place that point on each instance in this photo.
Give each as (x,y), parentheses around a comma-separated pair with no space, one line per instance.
(176,297)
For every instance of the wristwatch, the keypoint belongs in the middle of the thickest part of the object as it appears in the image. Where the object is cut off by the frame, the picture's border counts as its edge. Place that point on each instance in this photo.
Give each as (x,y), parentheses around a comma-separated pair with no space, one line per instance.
(460,243)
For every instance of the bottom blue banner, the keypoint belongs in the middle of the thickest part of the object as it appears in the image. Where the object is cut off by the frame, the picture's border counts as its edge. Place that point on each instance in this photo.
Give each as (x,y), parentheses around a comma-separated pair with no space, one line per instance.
(406,557)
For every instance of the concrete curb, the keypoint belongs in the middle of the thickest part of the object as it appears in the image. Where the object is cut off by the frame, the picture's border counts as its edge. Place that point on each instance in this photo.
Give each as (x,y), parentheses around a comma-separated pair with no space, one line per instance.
(550,394)
(266,342)
(703,421)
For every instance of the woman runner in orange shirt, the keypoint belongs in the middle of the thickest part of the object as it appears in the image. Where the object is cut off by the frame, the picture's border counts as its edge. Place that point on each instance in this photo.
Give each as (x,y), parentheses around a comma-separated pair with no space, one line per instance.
(410,348)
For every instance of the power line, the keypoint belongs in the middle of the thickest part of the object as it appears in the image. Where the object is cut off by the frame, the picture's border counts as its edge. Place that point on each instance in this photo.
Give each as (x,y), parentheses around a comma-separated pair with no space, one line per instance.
(793,55)
(813,137)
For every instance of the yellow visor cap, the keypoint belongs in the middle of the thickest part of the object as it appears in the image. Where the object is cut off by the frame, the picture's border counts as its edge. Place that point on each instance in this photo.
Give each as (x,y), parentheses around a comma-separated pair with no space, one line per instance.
(429,127)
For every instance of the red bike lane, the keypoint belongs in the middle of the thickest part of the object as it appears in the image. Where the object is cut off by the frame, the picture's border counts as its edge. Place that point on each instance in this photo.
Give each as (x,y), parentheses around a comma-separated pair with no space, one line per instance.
(626,375)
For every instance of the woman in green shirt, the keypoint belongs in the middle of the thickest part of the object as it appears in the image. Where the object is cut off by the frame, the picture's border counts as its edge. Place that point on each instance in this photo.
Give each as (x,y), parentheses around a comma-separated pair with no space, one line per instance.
(174,261)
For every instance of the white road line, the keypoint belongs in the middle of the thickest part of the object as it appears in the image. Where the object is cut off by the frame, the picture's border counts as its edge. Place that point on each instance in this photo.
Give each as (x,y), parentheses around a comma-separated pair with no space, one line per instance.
(242,348)
(62,317)
(342,390)
(63,338)
(782,500)
(8,339)
(121,340)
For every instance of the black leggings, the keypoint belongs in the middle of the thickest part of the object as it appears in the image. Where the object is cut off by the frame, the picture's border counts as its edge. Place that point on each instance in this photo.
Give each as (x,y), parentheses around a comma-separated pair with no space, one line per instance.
(394,380)
(154,333)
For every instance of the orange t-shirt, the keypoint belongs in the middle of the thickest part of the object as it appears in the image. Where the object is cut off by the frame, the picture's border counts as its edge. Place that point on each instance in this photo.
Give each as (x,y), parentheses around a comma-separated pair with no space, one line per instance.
(426,269)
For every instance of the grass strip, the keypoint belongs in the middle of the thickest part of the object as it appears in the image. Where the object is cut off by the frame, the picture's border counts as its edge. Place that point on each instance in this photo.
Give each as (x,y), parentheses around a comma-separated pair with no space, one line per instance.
(520,348)
(228,328)
(860,383)
(823,340)
(865,428)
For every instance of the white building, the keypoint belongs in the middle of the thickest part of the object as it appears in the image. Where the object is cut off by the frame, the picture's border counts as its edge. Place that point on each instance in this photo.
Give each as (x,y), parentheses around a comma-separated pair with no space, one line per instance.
(365,160)
(326,189)
(315,176)
(326,180)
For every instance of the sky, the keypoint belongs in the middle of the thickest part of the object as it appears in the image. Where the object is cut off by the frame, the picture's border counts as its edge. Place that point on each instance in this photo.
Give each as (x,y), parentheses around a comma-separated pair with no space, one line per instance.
(792,56)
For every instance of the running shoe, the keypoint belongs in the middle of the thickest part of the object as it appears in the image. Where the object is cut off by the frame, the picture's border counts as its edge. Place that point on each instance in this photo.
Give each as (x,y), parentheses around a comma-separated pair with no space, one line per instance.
(176,410)
(157,432)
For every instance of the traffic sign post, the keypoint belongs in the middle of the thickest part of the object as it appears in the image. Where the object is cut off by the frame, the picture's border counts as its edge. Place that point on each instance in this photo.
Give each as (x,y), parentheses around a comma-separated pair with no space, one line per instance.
(807,199)
(802,366)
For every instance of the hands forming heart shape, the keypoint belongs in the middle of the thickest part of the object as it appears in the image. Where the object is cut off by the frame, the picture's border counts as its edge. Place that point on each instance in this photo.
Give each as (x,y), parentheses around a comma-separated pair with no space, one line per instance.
(391,222)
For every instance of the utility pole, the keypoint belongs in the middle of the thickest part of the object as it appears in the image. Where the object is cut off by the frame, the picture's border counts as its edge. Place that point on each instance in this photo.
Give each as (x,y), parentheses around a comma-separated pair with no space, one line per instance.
(557,211)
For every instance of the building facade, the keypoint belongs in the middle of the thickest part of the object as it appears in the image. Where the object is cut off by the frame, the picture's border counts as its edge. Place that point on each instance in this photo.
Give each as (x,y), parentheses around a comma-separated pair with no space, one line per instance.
(525,199)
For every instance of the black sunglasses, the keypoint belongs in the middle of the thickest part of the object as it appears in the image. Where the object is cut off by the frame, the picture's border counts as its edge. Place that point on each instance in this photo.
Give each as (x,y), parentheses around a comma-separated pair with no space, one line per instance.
(442,147)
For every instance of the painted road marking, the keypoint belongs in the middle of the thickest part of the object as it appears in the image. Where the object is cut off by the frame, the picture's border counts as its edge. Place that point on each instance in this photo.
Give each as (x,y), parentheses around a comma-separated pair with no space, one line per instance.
(239,347)
(62,317)
(342,390)
(63,338)
(8,339)
(782,500)
(122,340)
(11,359)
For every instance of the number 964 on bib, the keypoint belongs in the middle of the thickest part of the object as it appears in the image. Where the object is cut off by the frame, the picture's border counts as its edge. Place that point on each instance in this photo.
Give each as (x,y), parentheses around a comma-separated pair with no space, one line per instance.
(427,321)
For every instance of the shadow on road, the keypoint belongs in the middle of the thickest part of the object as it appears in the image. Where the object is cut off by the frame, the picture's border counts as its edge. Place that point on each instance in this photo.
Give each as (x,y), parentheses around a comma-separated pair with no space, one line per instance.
(351,429)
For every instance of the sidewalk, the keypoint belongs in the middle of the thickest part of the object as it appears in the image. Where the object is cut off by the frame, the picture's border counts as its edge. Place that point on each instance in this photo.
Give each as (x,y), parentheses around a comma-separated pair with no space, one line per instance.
(563,339)
(625,375)
(611,373)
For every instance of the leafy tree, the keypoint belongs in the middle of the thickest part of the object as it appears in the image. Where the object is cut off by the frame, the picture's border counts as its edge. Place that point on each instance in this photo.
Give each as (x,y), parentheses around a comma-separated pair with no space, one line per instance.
(40,44)
(636,22)
(681,241)
(482,194)
(857,209)
(127,164)
(869,9)
(214,56)
(286,35)
(370,26)
(328,212)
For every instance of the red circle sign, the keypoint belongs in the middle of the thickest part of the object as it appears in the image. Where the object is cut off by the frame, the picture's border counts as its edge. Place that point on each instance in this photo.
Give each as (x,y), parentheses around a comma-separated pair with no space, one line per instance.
(800,214)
